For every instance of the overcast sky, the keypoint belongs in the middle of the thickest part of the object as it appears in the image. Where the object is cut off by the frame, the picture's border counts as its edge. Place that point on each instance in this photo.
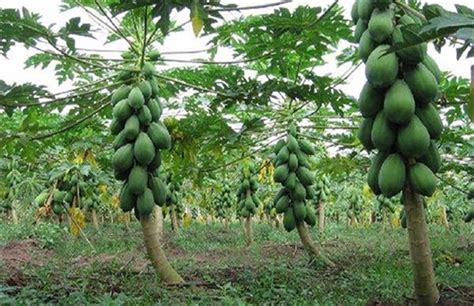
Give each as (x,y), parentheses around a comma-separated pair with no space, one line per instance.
(12,68)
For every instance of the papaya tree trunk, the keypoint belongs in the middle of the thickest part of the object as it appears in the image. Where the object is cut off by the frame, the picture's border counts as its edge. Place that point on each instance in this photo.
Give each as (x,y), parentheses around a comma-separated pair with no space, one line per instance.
(277,222)
(151,238)
(126,218)
(159,221)
(321,217)
(174,220)
(13,214)
(95,222)
(248,231)
(313,251)
(444,217)
(420,249)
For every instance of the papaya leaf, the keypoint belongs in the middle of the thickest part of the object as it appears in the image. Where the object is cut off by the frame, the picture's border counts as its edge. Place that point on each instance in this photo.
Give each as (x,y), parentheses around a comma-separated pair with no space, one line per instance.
(197,17)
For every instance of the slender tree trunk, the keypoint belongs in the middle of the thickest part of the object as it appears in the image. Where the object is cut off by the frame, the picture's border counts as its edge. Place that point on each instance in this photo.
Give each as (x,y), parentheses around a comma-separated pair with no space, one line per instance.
(158,258)
(248,231)
(174,219)
(444,217)
(310,247)
(226,223)
(159,221)
(127,221)
(321,217)
(13,215)
(420,250)
(384,217)
(95,222)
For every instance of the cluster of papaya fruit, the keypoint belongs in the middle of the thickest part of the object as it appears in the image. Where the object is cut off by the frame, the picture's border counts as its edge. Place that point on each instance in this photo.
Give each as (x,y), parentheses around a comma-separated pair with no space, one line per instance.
(292,170)
(356,204)
(247,193)
(383,204)
(223,202)
(139,137)
(321,189)
(173,195)
(397,102)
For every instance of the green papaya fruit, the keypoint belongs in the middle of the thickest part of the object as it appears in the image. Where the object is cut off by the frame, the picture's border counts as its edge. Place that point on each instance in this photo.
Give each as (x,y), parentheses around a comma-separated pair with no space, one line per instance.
(306,147)
(154,109)
(122,159)
(293,162)
(366,45)
(392,175)
(293,145)
(138,180)
(145,88)
(360,28)
(422,179)
(381,4)
(302,159)
(364,134)
(370,101)
(399,103)
(430,118)
(289,221)
(127,199)
(384,133)
(374,170)
(305,176)
(290,181)
(119,141)
(282,204)
(278,146)
(120,94)
(154,55)
(144,150)
(299,192)
(381,69)
(281,173)
(145,203)
(411,55)
(122,111)
(310,216)
(159,135)
(116,126)
(355,12)
(364,9)
(431,65)
(422,83)
(144,115)
(132,128)
(148,70)
(413,139)
(431,158)
(155,91)
(299,211)
(283,155)
(380,25)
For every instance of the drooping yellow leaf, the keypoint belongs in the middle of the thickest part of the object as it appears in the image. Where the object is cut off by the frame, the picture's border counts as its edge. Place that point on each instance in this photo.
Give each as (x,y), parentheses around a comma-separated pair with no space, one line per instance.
(197,20)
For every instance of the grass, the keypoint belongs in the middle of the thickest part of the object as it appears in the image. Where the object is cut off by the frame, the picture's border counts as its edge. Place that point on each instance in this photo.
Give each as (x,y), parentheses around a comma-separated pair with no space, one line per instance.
(371,264)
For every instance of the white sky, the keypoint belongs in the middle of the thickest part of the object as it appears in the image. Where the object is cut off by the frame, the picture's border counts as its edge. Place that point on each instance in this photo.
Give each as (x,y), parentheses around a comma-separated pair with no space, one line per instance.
(12,68)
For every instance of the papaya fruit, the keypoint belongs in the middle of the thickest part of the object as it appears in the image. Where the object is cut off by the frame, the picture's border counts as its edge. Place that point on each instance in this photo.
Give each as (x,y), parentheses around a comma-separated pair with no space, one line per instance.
(380,24)
(283,155)
(143,150)
(127,199)
(290,181)
(292,162)
(116,126)
(310,193)
(373,175)
(422,179)
(431,158)
(310,216)
(120,94)
(281,173)
(410,55)
(119,141)
(364,133)
(383,134)
(154,55)
(278,146)
(381,4)
(138,180)
(392,175)
(293,145)
(148,70)
(306,147)
(370,101)
(58,196)
(279,194)
(156,162)
(399,103)
(145,203)
(355,12)
(299,211)
(122,160)
(155,91)
(282,204)
(364,9)
(144,115)
(381,68)
(430,118)
(159,135)
(303,159)
(431,65)
(132,128)
(145,88)
(122,110)
(126,76)
(366,45)
(422,83)
(154,109)
(361,27)
(299,192)
(135,98)
(289,221)
(305,176)
(413,139)
(469,216)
